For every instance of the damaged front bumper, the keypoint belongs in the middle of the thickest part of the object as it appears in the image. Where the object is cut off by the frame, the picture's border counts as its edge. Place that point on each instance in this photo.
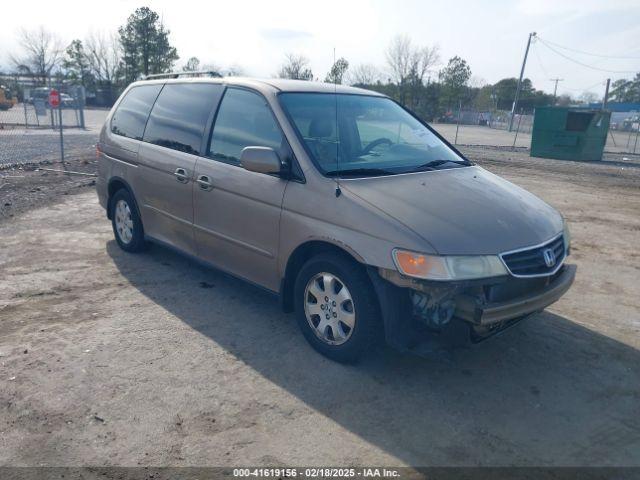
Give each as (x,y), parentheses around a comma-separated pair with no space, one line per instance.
(474,310)
(482,307)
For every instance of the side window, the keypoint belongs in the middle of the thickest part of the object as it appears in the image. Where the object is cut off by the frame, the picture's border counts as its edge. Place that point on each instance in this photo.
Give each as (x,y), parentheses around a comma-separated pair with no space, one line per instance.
(244,120)
(179,116)
(131,115)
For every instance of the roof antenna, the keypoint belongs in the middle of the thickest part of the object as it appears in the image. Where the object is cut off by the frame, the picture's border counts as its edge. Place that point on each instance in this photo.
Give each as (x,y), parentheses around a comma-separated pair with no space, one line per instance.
(335,96)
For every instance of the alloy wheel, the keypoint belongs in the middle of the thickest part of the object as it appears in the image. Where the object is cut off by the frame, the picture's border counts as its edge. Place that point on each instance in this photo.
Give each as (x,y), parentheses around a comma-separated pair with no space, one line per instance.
(123,221)
(329,308)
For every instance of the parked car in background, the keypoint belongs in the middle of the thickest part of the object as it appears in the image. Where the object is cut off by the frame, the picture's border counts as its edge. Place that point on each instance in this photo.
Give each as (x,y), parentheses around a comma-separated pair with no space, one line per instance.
(39,93)
(67,101)
(360,217)
(42,93)
(631,123)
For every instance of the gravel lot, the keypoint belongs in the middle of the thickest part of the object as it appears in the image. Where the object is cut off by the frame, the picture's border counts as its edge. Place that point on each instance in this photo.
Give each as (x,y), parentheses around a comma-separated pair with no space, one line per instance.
(29,147)
(108,358)
(19,145)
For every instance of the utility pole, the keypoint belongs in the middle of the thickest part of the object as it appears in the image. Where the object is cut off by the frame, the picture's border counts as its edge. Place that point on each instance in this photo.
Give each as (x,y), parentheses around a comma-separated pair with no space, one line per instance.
(555,88)
(606,95)
(524,62)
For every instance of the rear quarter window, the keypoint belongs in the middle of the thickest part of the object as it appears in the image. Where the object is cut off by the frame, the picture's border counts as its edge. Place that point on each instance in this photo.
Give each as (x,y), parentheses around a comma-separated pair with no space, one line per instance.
(180,114)
(131,115)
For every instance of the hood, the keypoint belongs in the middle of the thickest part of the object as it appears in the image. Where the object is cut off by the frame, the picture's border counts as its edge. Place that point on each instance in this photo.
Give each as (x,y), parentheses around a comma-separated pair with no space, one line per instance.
(462,211)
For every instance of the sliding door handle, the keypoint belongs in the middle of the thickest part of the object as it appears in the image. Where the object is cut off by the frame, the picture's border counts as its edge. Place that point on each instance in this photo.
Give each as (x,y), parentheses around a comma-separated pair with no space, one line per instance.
(205,183)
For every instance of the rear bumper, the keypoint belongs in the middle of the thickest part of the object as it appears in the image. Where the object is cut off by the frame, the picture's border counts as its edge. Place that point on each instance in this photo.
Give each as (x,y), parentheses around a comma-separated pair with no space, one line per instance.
(470,309)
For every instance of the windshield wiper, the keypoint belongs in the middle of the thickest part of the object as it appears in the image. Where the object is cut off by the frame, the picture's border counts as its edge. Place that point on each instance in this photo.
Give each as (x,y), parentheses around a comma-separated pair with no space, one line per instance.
(359,171)
(431,165)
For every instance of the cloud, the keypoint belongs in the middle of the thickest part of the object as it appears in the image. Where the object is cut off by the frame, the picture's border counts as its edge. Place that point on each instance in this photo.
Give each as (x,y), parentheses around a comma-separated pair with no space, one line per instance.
(572,7)
(284,34)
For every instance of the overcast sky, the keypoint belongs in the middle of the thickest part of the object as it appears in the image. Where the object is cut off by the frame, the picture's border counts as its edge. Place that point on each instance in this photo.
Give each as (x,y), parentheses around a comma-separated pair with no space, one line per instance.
(490,35)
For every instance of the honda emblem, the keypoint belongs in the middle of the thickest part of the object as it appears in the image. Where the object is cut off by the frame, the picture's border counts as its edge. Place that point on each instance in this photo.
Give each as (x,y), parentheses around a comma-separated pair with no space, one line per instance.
(549,257)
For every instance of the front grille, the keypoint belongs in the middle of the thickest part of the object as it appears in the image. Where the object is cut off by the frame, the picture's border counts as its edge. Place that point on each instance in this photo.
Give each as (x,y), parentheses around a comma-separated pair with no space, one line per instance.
(532,261)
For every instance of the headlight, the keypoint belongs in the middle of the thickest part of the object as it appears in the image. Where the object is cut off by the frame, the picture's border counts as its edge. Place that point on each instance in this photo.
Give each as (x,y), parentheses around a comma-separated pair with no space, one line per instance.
(454,267)
(566,235)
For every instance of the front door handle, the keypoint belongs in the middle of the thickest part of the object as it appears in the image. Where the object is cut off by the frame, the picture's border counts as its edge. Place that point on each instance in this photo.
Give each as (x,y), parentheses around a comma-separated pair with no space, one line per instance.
(205,183)
(181,175)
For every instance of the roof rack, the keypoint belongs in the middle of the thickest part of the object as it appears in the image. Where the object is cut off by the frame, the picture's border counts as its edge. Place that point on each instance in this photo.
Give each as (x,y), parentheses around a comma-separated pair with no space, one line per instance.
(201,73)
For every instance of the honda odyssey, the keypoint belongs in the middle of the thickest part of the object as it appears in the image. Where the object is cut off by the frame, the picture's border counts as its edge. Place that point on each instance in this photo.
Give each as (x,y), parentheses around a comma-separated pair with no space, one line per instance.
(358,215)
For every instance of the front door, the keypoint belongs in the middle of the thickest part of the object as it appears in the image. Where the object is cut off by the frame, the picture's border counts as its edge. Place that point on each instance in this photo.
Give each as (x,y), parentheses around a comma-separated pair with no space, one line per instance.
(237,212)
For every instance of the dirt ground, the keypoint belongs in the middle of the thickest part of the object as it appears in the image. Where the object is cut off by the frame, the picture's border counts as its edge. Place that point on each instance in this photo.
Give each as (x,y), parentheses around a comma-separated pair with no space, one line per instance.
(28,186)
(108,358)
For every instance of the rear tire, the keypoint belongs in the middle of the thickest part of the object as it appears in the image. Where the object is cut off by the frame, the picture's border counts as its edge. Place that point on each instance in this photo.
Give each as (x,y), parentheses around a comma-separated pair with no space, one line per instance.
(126,222)
(337,308)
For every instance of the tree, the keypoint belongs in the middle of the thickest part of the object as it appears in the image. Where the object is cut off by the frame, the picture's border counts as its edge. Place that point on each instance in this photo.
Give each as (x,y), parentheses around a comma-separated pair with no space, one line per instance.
(76,63)
(103,56)
(398,56)
(211,67)
(454,78)
(235,70)
(337,72)
(296,67)
(626,90)
(536,98)
(145,45)
(504,93)
(589,97)
(407,61)
(484,98)
(423,61)
(42,52)
(192,65)
(363,74)
(409,65)
(564,100)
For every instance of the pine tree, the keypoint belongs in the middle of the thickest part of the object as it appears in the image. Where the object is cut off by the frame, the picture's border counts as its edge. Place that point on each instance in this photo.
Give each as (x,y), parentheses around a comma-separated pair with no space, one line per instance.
(145,45)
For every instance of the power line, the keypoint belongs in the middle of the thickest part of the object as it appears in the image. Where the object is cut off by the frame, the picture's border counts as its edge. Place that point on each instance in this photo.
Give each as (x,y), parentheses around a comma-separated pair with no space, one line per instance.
(544,70)
(547,74)
(584,64)
(589,53)
(586,89)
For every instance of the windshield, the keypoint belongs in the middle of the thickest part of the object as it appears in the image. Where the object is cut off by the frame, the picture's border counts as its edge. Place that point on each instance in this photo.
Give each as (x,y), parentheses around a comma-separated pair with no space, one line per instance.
(365,135)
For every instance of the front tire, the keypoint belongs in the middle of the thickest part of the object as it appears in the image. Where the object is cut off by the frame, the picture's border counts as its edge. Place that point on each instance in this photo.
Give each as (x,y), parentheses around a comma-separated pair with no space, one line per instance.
(336,307)
(126,222)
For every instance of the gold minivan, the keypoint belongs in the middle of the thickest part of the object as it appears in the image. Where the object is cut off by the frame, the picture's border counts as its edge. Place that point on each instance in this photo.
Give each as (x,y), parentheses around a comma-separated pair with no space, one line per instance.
(359,216)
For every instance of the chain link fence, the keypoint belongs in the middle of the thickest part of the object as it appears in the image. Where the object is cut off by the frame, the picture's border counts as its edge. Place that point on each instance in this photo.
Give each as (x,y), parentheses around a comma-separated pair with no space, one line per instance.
(469,127)
(30,133)
(25,103)
(37,113)
(30,127)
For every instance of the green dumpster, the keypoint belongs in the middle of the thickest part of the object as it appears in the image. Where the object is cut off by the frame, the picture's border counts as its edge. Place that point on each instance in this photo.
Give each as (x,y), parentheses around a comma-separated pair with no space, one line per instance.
(569,133)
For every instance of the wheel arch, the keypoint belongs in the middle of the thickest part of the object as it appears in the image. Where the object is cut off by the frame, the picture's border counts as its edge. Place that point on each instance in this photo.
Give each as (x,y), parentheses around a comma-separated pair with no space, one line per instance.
(115,184)
(300,255)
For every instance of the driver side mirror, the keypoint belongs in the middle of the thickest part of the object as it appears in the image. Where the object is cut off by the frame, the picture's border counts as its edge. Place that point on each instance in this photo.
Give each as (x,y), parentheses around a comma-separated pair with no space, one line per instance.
(260,160)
